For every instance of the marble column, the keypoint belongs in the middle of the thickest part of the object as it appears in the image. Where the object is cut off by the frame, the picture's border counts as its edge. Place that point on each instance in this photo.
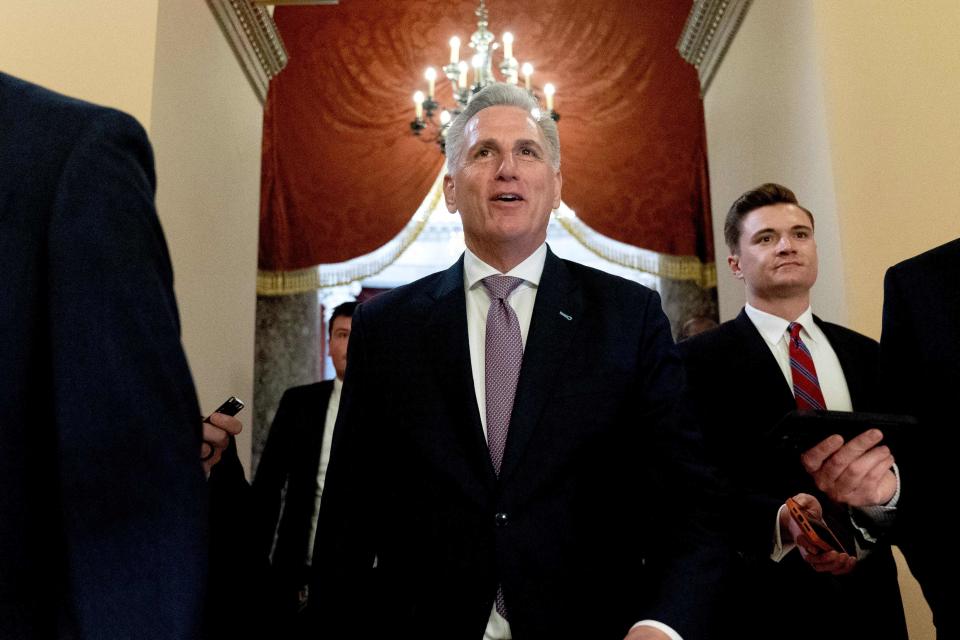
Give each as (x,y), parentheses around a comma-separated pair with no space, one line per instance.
(683,300)
(288,345)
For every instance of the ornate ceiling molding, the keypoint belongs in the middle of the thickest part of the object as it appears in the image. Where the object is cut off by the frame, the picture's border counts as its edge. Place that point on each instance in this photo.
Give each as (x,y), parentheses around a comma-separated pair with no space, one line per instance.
(707,35)
(254,38)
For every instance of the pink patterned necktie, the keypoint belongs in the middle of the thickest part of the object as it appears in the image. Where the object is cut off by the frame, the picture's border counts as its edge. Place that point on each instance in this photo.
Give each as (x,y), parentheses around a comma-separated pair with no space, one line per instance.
(504,353)
(806,385)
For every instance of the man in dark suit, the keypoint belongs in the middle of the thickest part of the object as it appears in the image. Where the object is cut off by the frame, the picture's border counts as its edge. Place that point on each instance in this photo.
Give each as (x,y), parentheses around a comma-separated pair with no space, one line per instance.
(291,476)
(920,349)
(102,509)
(744,377)
(476,494)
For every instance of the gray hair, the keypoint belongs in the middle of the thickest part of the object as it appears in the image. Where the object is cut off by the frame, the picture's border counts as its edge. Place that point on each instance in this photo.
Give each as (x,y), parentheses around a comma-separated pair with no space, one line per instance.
(496,95)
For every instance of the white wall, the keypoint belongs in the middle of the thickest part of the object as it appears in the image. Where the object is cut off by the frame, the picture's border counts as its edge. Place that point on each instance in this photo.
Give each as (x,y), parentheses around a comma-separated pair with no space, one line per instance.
(766,122)
(206,130)
(101,51)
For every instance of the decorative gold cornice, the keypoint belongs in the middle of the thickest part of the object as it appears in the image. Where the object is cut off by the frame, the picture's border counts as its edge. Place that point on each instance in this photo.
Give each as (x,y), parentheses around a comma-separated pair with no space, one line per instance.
(707,35)
(255,41)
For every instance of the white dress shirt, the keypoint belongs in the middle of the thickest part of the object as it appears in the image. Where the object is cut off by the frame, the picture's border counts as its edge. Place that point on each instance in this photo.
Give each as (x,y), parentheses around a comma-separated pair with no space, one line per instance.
(521,300)
(833,385)
(333,407)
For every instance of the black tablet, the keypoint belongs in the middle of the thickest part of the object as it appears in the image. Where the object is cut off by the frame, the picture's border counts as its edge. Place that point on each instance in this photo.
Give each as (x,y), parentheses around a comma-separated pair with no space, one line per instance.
(800,430)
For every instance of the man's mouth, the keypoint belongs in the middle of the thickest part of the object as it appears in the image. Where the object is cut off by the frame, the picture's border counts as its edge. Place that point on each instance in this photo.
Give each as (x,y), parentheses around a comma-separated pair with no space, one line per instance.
(507,197)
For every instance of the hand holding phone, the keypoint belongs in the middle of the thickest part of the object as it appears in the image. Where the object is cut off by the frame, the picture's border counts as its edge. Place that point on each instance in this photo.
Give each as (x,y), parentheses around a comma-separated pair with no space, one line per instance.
(231,407)
(814,528)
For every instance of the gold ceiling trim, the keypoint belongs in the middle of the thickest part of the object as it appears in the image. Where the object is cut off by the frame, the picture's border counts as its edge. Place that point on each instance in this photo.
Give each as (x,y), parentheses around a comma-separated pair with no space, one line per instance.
(707,35)
(255,41)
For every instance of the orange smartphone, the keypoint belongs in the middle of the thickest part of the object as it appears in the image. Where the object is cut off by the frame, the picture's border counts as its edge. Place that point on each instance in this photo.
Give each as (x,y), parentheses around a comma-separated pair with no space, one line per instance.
(814,528)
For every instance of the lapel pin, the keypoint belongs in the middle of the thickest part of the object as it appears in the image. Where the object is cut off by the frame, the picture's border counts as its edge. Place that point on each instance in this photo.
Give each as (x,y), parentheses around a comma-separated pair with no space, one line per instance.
(566,316)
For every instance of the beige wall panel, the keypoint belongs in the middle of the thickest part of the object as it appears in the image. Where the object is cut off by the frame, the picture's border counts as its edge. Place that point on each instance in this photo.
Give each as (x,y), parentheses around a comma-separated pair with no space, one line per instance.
(766,123)
(206,132)
(893,104)
(98,50)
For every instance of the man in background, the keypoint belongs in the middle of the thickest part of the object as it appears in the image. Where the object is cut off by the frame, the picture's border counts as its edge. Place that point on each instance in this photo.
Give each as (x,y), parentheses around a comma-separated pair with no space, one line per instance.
(291,475)
(103,517)
(744,376)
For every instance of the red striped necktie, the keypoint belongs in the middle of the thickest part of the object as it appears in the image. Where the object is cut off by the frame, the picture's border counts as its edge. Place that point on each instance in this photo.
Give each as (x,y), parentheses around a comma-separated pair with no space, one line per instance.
(806,386)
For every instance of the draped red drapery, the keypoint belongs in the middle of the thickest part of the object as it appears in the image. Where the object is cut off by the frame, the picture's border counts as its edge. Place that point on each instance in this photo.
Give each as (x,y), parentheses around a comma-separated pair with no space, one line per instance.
(342,174)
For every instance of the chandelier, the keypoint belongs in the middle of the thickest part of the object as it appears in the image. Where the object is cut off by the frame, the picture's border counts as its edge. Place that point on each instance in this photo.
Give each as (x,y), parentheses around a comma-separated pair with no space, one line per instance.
(428,121)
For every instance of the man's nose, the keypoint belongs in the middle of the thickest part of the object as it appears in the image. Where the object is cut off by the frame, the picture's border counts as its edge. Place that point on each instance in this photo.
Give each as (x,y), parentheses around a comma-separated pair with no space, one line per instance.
(508,167)
(785,245)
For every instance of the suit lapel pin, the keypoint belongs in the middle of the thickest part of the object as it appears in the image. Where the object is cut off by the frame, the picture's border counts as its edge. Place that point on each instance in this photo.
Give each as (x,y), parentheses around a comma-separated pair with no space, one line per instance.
(566,316)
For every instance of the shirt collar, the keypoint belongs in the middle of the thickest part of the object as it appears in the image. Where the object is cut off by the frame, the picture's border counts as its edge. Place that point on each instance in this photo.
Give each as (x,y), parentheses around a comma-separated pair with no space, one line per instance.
(475,269)
(773,328)
(337,385)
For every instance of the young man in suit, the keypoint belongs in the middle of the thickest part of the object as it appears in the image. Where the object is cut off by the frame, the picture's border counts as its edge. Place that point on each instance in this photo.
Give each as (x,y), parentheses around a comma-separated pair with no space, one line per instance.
(511,458)
(920,356)
(103,517)
(291,475)
(744,376)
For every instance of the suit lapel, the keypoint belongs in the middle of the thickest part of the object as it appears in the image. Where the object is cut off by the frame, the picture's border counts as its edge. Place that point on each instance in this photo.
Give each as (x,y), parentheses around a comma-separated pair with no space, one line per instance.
(767,384)
(450,347)
(861,383)
(556,314)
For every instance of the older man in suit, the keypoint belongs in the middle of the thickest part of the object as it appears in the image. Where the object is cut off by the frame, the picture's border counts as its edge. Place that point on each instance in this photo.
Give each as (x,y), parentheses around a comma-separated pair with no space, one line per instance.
(920,356)
(510,458)
(744,376)
(292,474)
(102,508)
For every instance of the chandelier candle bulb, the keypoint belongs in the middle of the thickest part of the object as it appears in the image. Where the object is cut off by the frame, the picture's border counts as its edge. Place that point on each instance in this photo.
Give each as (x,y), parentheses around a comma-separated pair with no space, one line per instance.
(431,76)
(527,70)
(549,90)
(507,45)
(462,82)
(418,104)
(478,70)
(454,50)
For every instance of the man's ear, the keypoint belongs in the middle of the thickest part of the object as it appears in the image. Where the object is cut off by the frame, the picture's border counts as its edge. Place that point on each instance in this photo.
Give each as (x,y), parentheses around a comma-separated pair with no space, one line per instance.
(734,262)
(450,193)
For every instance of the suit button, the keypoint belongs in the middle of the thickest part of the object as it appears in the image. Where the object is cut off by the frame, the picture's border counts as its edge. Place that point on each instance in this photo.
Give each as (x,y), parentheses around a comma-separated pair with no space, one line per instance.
(501,519)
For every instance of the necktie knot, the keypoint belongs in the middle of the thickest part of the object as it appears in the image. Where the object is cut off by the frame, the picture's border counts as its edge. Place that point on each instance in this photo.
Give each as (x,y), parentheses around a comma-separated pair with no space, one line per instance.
(795,328)
(500,287)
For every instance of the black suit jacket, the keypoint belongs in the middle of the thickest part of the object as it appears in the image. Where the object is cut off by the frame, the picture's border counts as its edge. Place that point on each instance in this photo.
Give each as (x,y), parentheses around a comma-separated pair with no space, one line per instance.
(582,528)
(740,393)
(920,350)
(102,507)
(290,462)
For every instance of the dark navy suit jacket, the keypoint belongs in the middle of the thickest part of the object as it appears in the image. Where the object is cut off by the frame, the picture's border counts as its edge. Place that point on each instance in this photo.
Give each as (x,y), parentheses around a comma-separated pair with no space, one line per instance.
(284,489)
(739,392)
(586,527)
(920,350)
(102,507)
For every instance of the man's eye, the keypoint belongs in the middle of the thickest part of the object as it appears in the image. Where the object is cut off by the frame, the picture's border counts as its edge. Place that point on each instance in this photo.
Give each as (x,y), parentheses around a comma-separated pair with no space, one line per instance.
(483,153)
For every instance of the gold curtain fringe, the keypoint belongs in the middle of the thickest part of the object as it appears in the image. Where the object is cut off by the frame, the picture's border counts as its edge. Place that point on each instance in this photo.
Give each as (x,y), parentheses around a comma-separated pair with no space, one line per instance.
(658,264)
(287,283)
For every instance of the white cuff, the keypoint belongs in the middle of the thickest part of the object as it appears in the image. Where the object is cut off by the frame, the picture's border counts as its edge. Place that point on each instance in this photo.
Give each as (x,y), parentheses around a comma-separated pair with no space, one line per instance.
(659,626)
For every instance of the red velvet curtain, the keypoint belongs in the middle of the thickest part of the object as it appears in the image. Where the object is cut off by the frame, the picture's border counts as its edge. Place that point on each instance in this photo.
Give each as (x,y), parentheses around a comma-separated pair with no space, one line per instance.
(342,174)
